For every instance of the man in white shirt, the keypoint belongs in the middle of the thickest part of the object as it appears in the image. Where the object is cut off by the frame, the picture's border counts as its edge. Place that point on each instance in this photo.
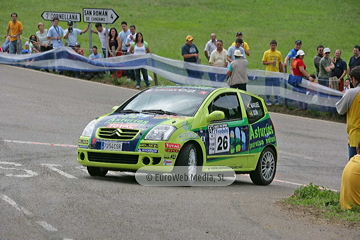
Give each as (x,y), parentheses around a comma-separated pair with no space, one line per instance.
(218,59)
(101,32)
(71,34)
(210,46)
(131,38)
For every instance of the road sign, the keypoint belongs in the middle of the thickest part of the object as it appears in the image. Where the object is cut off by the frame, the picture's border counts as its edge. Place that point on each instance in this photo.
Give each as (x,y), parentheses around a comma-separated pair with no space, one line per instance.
(99,15)
(63,16)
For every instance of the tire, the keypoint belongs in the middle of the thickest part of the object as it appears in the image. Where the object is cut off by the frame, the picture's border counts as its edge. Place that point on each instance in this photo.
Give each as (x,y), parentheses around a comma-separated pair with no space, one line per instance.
(188,158)
(96,171)
(266,168)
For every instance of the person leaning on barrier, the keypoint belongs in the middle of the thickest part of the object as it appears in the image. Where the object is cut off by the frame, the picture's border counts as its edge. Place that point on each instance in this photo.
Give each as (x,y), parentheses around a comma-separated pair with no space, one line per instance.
(237,72)
(350,182)
(350,104)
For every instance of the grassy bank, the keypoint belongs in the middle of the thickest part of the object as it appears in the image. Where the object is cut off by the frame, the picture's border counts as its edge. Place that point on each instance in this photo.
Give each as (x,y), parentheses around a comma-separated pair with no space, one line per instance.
(165,23)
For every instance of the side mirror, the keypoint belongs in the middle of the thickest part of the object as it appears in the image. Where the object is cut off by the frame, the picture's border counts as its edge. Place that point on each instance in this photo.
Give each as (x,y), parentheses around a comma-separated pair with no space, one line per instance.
(115,107)
(216,115)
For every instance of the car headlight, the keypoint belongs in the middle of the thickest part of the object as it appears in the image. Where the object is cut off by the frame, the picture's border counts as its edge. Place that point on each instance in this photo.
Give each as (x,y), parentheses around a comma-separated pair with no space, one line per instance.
(89,128)
(160,132)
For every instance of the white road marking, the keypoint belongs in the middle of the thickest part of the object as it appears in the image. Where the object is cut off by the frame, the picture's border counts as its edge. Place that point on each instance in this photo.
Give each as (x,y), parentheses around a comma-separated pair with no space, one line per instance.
(40,143)
(16,206)
(296,155)
(53,167)
(47,226)
(29,173)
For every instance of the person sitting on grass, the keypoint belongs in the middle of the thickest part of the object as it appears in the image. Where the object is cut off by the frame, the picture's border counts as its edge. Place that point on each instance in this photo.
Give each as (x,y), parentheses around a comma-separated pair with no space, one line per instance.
(350,183)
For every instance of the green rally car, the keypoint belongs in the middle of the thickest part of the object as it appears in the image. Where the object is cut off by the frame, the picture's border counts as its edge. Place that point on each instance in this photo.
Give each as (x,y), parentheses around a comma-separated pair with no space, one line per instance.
(183,126)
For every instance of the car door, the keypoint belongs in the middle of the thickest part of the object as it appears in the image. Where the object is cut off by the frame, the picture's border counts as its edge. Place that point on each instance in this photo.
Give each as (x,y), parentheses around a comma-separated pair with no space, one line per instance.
(228,139)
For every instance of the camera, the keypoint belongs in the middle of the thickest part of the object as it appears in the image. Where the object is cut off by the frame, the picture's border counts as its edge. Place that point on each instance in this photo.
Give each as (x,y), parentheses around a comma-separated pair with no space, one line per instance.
(70,29)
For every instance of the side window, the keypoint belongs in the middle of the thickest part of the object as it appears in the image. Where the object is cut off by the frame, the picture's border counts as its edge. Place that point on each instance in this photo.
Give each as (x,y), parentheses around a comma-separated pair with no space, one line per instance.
(229,104)
(254,108)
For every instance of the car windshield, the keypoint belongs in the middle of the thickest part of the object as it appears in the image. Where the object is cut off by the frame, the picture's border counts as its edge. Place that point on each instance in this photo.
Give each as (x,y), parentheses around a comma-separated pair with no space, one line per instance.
(178,101)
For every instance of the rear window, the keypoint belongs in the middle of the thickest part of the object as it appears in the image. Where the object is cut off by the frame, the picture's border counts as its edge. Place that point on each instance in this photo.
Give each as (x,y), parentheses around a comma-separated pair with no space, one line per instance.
(254,108)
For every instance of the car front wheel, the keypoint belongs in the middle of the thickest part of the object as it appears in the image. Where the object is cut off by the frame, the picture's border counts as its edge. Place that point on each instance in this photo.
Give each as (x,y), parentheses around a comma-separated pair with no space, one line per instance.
(266,168)
(188,158)
(96,171)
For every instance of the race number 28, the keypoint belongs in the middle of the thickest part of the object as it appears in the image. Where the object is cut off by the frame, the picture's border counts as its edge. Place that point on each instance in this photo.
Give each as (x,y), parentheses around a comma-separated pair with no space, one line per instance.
(219,139)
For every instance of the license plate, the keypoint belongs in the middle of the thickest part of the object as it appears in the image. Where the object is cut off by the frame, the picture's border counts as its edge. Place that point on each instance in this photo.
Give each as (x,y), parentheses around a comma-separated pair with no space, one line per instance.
(111,146)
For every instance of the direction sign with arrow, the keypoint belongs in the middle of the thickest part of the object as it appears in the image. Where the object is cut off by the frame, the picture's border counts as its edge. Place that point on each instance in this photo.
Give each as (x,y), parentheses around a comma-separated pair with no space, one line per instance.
(99,15)
(63,16)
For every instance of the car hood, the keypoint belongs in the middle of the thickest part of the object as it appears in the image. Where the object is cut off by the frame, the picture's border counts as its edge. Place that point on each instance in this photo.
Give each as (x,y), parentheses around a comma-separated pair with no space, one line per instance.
(138,121)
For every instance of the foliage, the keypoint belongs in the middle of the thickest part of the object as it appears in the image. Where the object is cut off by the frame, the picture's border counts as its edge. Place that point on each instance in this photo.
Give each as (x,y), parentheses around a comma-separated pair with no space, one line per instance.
(324,201)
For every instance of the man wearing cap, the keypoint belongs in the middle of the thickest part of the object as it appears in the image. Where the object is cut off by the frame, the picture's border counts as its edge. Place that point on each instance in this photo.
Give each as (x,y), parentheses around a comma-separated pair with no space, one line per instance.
(71,34)
(317,58)
(210,46)
(244,45)
(325,68)
(272,59)
(191,54)
(350,104)
(292,54)
(237,72)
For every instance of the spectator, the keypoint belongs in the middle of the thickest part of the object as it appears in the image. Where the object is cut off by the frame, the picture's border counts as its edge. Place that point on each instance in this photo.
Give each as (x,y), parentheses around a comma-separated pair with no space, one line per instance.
(325,68)
(218,59)
(6,45)
(354,60)
(340,69)
(114,41)
(191,54)
(349,104)
(55,34)
(244,45)
(14,30)
(131,37)
(210,46)
(140,47)
(350,187)
(232,49)
(32,45)
(71,34)
(298,68)
(42,37)
(124,49)
(78,49)
(95,55)
(123,35)
(272,59)
(317,58)
(237,72)
(347,85)
(101,32)
(292,54)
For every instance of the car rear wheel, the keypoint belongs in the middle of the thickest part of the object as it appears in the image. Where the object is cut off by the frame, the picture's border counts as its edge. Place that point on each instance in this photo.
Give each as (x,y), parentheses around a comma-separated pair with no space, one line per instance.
(266,168)
(188,158)
(96,171)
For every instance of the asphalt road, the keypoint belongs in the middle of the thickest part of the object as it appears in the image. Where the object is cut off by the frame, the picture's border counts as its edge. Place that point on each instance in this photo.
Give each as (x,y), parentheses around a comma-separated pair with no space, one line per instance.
(46,194)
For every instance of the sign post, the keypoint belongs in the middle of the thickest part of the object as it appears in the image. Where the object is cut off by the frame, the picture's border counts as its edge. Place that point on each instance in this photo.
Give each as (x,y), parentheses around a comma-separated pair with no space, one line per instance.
(63,16)
(100,15)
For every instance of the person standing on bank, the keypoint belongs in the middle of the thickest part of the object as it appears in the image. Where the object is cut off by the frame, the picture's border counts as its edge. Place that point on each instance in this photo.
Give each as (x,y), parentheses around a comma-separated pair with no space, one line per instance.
(14,30)
(71,34)
(350,104)
(191,54)
(210,46)
(237,72)
(325,68)
(140,47)
(56,33)
(340,69)
(42,37)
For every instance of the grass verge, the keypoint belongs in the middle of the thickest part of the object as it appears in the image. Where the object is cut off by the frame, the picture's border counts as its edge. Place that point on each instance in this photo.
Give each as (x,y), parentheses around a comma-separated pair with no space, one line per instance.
(323,203)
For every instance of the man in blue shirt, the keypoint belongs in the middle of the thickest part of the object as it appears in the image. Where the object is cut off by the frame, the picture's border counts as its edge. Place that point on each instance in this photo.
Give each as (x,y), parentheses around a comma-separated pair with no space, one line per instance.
(94,56)
(55,34)
(292,54)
